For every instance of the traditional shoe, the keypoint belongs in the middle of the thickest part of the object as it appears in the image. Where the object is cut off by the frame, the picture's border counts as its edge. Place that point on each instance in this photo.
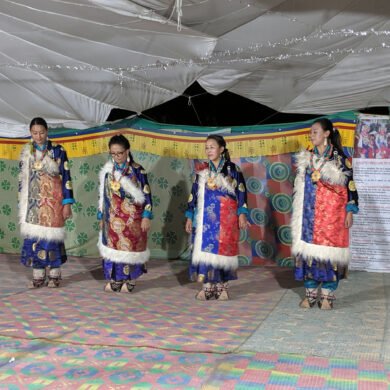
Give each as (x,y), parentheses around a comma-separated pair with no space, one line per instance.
(201,295)
(205,295)
(127,287)
(53,283)
(325,304)
(223,295)
(36,283)
(221,292)
(306,304)
(108,288)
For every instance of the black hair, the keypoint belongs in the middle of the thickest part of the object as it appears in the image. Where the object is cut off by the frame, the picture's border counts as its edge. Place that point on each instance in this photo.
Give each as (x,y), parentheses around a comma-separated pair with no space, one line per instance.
(121,140)
(334,134)
(39,122)
(221,142)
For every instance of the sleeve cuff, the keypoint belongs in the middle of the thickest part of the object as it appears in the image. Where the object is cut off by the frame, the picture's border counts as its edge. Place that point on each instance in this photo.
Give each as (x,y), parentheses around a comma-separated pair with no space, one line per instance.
(68,201)
(353,208)
(147,214)
(242,210)
(189,214)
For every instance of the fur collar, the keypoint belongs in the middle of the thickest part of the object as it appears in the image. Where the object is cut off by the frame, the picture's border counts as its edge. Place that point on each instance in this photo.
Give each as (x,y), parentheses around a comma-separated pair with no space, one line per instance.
(330,172)
(128,186)
(220,180)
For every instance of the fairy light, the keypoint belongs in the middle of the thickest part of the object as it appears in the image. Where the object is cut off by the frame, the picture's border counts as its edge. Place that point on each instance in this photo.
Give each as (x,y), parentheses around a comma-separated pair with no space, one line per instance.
(251,54)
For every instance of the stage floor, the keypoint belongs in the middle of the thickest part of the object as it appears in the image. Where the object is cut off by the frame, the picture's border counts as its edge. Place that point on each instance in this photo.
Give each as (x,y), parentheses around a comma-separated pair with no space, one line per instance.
(160,337)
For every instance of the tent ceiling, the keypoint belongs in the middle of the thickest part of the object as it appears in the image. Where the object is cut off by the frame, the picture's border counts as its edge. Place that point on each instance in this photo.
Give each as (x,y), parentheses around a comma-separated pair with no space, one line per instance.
(74,60)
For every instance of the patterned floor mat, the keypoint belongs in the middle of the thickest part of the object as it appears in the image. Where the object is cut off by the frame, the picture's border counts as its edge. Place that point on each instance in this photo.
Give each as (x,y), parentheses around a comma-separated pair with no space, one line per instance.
(160,313)
(158,337)
(33,364)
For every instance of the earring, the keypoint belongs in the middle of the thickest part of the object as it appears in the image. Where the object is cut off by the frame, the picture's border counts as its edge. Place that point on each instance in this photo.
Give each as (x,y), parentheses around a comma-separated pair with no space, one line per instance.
(326,142)
(128,159)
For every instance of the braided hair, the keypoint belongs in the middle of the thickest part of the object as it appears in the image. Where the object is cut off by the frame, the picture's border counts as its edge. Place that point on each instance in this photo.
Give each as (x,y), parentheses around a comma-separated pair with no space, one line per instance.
(334,135)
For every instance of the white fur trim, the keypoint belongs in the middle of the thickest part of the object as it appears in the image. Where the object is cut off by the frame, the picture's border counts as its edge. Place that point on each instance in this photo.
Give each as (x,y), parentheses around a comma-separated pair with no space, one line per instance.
(330,172)
(220,180)
(124,257)
(300,247)
(29,230)
(128,186)
(198,256)
(24,178)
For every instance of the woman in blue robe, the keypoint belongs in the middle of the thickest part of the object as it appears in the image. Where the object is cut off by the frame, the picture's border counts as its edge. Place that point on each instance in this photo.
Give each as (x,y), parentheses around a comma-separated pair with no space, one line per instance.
(45,199)
(217,209)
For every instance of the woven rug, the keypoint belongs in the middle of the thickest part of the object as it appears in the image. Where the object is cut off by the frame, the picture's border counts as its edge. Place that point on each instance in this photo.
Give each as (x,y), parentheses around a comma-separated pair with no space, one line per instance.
(36,364)
(160,313)
(160,337)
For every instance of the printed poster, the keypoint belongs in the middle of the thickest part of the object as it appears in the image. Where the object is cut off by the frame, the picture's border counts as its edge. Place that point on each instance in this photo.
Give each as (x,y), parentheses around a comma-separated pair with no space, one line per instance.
(370,234)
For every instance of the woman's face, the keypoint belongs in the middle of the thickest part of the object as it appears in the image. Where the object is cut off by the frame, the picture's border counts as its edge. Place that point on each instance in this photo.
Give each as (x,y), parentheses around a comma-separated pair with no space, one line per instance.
(213,150)
(119,153)
(39,134)
(318,135)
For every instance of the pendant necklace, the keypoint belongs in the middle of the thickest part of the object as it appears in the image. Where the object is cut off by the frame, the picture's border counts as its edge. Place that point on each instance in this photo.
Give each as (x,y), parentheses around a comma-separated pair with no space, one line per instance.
(316,172)
(115,184)
(213,172)
(38,162)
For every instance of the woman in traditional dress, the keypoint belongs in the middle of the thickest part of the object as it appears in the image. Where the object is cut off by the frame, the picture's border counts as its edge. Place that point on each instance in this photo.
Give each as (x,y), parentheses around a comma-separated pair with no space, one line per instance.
(45,198)
(325,199)
(217,209)
(125,211)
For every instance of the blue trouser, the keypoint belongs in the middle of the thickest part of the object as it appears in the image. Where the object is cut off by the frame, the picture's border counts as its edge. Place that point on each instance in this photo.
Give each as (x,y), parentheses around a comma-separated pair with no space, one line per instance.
(310,283)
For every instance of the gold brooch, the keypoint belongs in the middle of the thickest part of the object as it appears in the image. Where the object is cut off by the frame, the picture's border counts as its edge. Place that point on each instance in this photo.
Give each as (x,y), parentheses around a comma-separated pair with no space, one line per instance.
(211,183)
(315,176)
(115,185)
(38,165)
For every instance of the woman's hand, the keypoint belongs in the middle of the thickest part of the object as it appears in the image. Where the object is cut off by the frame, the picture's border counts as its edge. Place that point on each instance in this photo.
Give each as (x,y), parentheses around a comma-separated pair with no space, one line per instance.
(145,224)
(348,220)
(243,222)
(66,211)
(188,226)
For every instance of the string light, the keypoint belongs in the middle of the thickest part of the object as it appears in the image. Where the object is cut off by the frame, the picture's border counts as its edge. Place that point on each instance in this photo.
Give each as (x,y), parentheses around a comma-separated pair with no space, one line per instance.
(251,54)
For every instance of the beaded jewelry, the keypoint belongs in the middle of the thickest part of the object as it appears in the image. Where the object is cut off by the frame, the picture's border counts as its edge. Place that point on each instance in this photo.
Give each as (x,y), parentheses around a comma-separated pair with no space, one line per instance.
(115,184)
(316,172)
(38,162)
(213,172)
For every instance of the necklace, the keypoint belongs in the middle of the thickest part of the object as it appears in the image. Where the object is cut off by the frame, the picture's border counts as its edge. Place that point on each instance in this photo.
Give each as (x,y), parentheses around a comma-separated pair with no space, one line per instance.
(213,172)
(38,162)
(316,172)
(115,184)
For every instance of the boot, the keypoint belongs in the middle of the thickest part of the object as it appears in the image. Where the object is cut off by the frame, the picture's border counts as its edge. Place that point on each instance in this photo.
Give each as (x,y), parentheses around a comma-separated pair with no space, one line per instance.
(54,277)
(310,298)
(128,286)
(113,286)
(222,292)
(39,277)
(207,292)
(327,299)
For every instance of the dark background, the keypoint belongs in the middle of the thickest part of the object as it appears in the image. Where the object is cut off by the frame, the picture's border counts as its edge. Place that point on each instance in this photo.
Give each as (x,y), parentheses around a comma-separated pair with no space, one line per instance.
(197,107)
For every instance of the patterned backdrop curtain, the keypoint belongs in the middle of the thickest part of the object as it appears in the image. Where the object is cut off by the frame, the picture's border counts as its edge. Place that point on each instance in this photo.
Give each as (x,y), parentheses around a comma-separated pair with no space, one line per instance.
(172,151)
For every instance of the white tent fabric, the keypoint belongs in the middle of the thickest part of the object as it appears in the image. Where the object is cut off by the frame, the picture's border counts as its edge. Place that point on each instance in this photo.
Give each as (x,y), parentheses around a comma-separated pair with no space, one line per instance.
(72,61)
